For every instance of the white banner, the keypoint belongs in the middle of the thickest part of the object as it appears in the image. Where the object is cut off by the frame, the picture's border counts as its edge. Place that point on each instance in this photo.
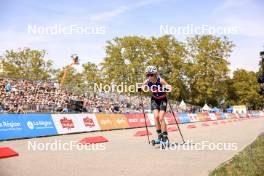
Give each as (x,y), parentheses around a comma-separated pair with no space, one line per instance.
(151,118)
(71,123)
(193,117)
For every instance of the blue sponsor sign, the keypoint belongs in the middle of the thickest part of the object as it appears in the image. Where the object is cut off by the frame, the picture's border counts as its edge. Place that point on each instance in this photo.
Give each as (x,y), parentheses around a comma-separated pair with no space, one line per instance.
(184,118)
(26,125)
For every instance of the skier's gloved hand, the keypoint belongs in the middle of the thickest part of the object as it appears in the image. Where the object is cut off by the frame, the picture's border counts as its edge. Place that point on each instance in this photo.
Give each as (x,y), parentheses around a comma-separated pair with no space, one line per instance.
(167,89)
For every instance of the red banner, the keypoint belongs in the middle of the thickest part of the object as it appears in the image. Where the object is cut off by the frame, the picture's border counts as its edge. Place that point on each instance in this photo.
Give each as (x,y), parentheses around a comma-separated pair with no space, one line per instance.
(137,120)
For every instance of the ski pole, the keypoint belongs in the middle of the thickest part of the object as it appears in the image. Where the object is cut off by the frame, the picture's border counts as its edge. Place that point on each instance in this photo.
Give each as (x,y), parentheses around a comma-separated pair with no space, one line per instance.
(176,122)
(145,119)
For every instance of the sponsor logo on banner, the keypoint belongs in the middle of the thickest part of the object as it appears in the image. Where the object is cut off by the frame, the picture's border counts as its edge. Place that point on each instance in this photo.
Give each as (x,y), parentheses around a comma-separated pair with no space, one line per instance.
(10,125)
(151,119)
(203,116)
(136,120)
(39,124)
(30,125)
(223,115)
(105,121)
(218,115)
(88,122)
(193,117)
(212,116)
(169,119)
(228,115)
(66,123)
(236,115)
(72,123)
(14,126)
(233,115)
(255,114)
(184,118)
(119,121)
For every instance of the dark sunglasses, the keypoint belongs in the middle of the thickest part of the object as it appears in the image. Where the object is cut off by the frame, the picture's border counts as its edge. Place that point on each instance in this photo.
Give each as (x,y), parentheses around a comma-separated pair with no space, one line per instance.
(150,75)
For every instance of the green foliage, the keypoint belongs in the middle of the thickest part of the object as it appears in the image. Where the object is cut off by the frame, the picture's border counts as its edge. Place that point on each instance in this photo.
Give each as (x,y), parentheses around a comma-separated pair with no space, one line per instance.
(126,59)
(27,63)
(197,69)
(73,81)
(207,68)
(243,89)
(249,162)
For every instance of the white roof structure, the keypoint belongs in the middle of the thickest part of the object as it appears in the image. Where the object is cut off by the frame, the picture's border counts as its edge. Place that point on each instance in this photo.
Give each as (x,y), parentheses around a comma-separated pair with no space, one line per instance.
(206,107)
(182,104)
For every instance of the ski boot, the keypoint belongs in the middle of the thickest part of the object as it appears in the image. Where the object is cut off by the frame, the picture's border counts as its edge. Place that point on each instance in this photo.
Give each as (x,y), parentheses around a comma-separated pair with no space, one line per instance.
(157,141)
(164,140)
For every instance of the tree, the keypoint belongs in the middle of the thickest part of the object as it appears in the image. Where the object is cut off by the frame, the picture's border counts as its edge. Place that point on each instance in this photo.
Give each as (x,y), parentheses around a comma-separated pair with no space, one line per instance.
(28,64)
(91,74)
(73,81)
(244,89)
(168,55)
(126,59)
(207,68)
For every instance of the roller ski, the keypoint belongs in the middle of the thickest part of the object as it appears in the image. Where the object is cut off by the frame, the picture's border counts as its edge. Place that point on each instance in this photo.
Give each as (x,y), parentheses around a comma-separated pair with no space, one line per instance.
(157,141)
(162,140)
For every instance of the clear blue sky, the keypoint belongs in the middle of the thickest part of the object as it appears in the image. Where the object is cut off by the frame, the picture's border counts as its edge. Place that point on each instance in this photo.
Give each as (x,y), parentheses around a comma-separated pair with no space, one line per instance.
(128,17)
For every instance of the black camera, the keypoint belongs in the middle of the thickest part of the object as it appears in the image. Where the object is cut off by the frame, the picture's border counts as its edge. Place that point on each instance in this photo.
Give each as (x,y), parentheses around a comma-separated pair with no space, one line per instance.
(261,54)
(261,79)
(261,92)
(261,76)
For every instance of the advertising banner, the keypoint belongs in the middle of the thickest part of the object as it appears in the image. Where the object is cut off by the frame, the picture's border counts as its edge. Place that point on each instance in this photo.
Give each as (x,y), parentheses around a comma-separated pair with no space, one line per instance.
(105,121)
(136,120)
(203,116)
(72,123)
(193,117)
(212,116)
(184,118)
(26,125)
(119,121)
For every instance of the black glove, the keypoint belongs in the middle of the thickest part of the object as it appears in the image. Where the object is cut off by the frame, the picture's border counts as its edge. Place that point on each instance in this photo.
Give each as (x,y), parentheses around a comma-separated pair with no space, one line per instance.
(166,89)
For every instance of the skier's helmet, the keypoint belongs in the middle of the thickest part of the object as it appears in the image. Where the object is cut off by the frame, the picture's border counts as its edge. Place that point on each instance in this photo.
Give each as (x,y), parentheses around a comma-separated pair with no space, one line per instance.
(151,70)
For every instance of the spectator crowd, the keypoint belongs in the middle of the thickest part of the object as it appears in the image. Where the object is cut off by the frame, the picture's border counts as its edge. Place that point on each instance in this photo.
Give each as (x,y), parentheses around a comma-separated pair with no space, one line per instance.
(25,96)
